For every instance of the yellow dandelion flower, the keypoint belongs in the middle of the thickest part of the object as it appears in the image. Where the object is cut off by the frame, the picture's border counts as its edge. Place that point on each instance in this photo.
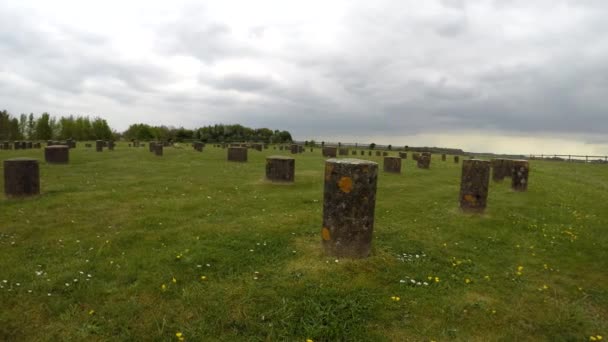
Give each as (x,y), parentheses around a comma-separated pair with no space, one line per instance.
(520,268)
(179,335)
(467,281)
(592,338)
(309,340)
(436,279)
(599,337)
(179,256)
(493,312)
(487,277)
(203,278)
(174,280)
(429,278)
(545,287)
(91,312)
(163,287)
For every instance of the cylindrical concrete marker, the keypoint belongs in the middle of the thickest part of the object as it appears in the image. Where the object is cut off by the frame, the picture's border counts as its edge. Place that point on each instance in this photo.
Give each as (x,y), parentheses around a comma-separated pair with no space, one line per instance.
(237,154)
(392,164)
(280,168)
(57,154)
(330,151)
(158,149)
(474,183)
(424,160)
(21,177)
(519,175)
(348,207)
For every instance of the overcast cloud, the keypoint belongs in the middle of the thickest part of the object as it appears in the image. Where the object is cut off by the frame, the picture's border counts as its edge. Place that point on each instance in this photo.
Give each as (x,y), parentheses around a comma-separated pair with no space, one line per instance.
(504,76)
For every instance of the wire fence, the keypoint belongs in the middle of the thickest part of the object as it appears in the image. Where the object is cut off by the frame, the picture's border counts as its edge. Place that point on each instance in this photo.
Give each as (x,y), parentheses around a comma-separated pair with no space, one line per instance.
(570,158)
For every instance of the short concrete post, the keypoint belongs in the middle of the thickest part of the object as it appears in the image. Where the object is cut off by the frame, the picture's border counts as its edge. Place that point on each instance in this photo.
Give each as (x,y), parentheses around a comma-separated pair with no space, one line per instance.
(424,160)
(158,149)
(348,207)
(21,177)
(392,164)
(474,183)
(519,176)
(237,154)
(57,154)
(280,168)
(329,151)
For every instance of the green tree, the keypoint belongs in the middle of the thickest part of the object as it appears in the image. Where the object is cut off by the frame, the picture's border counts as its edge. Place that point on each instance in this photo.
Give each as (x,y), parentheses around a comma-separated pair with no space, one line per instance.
(44,130)
(31,127)
(22,125)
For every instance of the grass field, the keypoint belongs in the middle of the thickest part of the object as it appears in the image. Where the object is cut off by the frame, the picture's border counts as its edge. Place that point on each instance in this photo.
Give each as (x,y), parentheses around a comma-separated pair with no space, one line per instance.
(127,246)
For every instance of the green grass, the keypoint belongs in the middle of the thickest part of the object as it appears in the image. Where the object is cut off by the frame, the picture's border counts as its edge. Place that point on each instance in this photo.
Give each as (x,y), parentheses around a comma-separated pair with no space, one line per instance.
(111,225)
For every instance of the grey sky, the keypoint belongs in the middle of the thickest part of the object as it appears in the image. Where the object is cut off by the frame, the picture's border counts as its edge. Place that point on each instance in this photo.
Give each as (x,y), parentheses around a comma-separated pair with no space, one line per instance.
(509,76)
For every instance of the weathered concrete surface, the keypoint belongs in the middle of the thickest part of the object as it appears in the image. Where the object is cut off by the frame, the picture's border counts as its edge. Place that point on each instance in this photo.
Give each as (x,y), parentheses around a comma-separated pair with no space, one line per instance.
(501,168)
(158,149)
(474,184)
(57,154)
(519,175)
(237,154)
(330,151)
(348,207)
(392,164)
(280,169)
(424,160)
(21,177)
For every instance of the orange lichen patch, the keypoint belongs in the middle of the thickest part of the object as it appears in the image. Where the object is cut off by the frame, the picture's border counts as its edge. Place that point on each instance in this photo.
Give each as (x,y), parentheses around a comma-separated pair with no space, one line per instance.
(325,234)
(329,168)
(469,198)
(345,184)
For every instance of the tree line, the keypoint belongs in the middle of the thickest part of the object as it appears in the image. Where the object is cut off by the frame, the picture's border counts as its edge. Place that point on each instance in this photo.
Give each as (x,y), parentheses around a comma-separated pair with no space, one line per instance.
(213,133)
(47,127)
